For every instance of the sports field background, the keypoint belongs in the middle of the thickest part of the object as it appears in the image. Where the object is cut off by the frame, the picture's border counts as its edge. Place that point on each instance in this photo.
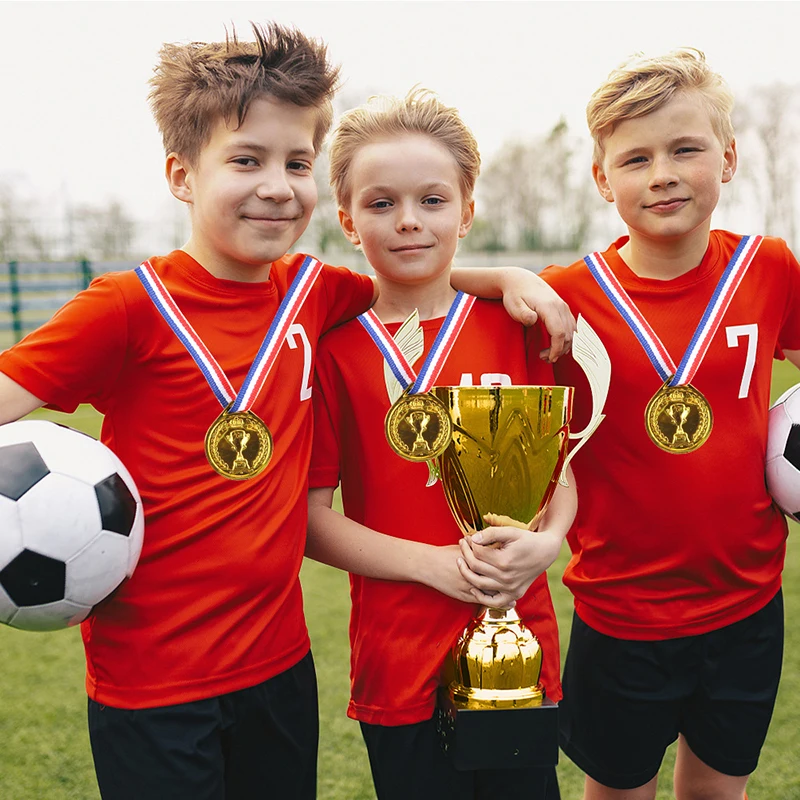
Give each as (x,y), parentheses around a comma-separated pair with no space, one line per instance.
(44,747)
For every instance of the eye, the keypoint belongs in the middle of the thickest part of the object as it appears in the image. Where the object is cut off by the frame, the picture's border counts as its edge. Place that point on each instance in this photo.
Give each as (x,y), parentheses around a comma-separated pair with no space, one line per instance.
(380,204)
(433,201)
(634,160)
(298,166)
(245,161)
(688,150)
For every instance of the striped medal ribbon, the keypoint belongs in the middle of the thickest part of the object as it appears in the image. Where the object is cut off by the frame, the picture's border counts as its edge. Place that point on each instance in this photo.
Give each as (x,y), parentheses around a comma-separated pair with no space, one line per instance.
(678,418)
(418,427)
(238,445)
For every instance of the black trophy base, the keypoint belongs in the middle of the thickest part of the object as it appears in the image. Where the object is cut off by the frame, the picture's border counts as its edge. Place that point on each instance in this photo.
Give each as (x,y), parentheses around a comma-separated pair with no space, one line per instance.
(498,738)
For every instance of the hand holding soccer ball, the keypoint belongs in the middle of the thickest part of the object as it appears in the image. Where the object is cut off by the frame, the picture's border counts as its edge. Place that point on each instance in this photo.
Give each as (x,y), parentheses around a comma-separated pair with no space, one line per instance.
(71,525)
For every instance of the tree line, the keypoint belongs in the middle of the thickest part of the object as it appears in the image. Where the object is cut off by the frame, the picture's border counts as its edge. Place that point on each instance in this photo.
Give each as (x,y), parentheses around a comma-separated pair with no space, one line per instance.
(534,194)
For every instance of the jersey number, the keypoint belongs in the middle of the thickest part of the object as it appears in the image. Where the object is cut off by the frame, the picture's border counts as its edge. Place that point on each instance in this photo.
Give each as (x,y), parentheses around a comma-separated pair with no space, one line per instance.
(487,379)
(296,329)
(750,332)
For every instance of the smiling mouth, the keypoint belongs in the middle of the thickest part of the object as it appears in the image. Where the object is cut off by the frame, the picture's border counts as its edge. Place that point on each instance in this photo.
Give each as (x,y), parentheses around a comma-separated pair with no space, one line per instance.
(410,248)
(665,205)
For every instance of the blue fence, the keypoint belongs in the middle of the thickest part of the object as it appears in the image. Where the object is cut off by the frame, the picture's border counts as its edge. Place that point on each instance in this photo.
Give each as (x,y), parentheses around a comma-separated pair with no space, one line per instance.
(30,293)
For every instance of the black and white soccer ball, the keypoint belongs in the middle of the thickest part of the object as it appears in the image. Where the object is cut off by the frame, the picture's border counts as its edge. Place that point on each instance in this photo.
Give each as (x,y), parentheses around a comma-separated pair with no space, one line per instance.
(71,525)
(783,452)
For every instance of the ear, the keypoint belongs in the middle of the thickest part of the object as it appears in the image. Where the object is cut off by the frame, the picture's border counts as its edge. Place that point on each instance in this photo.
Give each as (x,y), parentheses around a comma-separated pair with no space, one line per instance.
(601,181)
(346,221)
(467,216)
(179,180)
(730,160)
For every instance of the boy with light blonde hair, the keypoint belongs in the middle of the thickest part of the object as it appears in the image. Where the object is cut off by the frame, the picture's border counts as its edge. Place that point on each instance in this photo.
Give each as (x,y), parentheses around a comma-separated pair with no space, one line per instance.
(677,547)
(199,672)
(403,173)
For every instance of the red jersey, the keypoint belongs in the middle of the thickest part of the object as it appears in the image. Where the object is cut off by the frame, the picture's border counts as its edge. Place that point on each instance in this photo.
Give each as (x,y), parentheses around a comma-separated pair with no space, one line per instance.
(668,545)
(400,633)
(215,603)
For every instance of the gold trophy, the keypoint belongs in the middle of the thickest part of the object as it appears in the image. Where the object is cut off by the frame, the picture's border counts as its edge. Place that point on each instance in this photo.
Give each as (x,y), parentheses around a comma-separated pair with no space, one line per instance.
(507,453)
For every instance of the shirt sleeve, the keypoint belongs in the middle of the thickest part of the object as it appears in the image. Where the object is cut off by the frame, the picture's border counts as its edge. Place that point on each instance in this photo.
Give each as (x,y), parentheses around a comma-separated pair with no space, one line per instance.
(349,294)
(77,356)
(789,336)
(324,470)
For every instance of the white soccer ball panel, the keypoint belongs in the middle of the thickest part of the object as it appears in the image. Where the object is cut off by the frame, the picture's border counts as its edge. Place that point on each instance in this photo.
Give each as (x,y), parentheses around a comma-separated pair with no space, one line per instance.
(783,482)
(10,531)
(97,570)
(135,540)
(78,456)
(59,516)
(792,392)
(7,607)
(779,425)
(49,617)
(26,430)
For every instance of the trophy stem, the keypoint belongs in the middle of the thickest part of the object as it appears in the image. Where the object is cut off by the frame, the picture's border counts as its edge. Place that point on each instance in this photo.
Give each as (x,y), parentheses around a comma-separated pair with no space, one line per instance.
(498,662)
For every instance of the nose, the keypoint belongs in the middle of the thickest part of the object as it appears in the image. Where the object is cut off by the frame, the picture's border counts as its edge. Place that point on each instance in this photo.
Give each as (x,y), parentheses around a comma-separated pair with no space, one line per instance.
(663,173)
(273,184)
(408,219)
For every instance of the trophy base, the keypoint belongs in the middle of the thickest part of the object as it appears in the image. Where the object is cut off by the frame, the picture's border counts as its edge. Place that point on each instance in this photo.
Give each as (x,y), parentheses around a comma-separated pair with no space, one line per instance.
(494,738)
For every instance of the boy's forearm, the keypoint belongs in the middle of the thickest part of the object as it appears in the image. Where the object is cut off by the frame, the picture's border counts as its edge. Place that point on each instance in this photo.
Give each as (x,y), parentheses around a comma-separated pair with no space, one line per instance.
(15,402)
(563,507)
(526,297)
(345,544)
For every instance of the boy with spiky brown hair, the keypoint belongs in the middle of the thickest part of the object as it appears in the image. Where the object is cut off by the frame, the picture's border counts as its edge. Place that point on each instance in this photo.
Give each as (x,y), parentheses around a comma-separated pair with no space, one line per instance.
(677,547)
(199,672)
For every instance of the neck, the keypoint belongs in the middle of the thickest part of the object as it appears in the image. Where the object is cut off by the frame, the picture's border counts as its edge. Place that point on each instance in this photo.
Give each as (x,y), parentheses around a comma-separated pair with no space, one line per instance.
(225,269)
(665,259)
(396,301)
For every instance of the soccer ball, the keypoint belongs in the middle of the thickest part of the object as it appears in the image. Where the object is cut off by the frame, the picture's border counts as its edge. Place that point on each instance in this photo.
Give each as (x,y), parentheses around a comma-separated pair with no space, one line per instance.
(71,525)
(783,452)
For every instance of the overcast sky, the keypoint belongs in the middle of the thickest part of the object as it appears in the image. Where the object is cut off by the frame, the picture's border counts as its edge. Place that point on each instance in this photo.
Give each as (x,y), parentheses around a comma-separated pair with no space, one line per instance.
(75,123)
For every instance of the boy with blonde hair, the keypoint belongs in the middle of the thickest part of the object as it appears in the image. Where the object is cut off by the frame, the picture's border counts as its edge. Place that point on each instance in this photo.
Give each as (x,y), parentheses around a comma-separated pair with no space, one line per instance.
(403,172)
(676,571)
(199,672)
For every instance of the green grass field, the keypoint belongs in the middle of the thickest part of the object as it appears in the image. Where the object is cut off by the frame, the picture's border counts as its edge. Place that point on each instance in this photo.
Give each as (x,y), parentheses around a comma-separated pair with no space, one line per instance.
(44,750)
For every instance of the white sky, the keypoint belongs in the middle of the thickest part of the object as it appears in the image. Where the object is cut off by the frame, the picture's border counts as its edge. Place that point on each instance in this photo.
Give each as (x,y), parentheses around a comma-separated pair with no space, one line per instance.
(74,121)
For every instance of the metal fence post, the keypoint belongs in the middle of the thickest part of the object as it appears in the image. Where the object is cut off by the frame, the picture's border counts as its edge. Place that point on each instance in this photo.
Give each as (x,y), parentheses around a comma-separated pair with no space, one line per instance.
(16,306)
(86,273)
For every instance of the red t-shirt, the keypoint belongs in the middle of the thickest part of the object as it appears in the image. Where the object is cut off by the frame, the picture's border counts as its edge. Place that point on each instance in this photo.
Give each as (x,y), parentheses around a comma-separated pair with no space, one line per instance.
(400,633)
(669,545)
(215,603)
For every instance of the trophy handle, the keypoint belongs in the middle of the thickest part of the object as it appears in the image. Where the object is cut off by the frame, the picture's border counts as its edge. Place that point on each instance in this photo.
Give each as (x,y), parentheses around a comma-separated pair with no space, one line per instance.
(590,353)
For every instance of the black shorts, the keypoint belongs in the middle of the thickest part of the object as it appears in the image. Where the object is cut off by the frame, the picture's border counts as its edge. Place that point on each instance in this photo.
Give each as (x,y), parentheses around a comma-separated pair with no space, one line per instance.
(409,763)
(257,742)
(626,701)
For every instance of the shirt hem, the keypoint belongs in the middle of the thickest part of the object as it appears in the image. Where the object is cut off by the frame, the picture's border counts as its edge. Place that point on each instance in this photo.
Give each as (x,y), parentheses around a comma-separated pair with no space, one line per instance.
(154,697)
(610,626)
(389,718)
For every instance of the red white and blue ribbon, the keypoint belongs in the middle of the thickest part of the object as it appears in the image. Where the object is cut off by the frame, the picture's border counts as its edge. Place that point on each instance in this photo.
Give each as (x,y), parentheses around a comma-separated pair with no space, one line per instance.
(436,358)
(268,352)
(709,323)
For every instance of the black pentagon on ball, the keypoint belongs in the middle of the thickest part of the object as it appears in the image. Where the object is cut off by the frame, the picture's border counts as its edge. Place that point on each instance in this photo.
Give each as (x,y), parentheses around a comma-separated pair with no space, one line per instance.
(21,467)
(117,505)
(32,579)
(792,450)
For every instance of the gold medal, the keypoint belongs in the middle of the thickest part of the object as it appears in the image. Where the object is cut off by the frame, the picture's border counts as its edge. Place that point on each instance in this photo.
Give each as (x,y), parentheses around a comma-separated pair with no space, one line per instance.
(238,445)
(418,427)
(678,418)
